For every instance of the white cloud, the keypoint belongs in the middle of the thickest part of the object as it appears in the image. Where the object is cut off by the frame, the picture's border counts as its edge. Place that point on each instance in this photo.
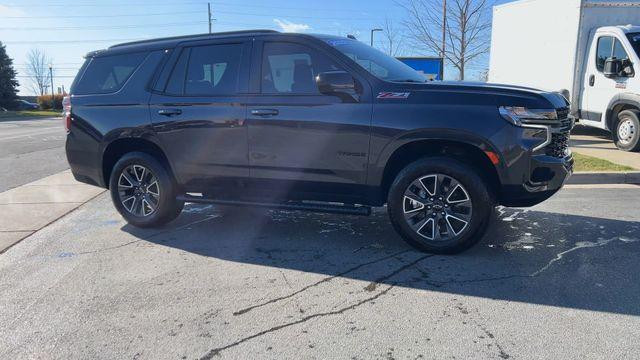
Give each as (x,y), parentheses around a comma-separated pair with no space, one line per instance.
(8,11)
(288,26)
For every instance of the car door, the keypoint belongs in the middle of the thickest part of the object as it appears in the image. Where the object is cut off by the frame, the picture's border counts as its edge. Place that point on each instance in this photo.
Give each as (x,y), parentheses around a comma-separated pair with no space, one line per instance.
(199,111)
(599,89)
(295,132)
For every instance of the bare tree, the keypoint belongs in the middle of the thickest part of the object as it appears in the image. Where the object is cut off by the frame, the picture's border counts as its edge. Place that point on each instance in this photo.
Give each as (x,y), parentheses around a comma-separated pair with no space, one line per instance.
(38,71)
(392,41)
(466,29)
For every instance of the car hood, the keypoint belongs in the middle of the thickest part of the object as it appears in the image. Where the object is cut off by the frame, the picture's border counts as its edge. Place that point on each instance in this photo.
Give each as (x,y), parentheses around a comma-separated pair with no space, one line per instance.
(474,92)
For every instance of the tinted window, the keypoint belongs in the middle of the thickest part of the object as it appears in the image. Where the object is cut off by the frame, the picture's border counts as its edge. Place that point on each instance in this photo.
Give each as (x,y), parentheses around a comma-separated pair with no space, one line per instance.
(605,46)
(107,74)
(619,52)
(213,70)
(289,68)
(175,85)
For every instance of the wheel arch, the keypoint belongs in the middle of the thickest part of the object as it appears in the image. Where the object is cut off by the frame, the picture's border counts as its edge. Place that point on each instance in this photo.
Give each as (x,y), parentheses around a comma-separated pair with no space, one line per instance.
(121,146)
(620,103)
(472,153)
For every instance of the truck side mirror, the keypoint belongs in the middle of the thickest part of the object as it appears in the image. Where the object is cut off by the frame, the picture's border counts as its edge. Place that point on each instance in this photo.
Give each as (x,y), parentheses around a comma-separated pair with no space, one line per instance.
(612,67)
(627,69)
(337,83)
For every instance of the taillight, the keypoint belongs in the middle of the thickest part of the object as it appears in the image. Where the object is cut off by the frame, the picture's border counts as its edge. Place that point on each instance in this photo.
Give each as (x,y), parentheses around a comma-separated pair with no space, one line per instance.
(66,107)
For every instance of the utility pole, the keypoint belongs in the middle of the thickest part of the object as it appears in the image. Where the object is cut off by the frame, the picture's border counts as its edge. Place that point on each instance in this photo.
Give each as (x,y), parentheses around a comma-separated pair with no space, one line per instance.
(444,37)
(53,102)
(209,13)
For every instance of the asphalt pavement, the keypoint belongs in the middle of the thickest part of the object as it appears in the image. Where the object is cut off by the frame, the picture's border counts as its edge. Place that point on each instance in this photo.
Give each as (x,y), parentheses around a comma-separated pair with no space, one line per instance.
(557,281)
(30,150)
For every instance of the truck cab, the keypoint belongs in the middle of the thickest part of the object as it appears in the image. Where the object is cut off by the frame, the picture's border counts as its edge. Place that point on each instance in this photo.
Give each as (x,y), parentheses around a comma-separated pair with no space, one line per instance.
(611,90)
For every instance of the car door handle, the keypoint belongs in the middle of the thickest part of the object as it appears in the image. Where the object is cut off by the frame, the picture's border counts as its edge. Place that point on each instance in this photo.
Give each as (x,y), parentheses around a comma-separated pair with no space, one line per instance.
(592,80)
(264,112)
(169,112)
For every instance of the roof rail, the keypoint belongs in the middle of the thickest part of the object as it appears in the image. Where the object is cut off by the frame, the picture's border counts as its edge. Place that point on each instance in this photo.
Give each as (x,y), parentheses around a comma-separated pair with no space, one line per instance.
(195,36)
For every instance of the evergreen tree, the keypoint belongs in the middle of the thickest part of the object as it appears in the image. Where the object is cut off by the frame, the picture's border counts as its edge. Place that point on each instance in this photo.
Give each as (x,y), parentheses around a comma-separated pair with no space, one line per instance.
(8,82)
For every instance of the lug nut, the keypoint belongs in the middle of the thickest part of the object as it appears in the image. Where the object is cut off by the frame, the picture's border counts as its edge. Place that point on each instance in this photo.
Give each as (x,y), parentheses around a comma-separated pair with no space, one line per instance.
(444,213)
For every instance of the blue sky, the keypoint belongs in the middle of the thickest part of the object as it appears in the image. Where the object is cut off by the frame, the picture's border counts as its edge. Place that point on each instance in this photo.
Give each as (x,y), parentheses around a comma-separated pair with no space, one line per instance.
(68,30)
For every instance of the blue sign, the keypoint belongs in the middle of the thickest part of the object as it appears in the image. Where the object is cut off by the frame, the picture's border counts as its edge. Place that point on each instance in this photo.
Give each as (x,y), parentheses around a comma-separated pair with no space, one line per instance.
(428,66)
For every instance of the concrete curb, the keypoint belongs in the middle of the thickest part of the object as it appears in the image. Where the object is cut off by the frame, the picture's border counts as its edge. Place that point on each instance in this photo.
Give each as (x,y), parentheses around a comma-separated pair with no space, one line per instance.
(31,207)
(596,178)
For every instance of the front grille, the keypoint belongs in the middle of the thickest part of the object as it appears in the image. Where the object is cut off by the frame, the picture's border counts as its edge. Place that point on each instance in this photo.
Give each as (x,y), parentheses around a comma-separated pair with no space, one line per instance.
(559,145)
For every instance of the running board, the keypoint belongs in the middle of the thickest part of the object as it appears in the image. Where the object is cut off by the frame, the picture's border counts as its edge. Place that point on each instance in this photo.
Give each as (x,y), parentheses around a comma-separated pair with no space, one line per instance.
(304,206)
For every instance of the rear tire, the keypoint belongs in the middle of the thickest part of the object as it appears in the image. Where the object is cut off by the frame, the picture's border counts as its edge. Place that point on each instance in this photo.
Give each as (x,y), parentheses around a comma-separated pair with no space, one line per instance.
(626,134)
(143,191)
(440,205)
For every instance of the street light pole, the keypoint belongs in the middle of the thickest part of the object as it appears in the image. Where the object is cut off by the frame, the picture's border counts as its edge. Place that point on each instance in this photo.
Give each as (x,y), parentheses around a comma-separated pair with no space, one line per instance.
(373,31)
(53,102)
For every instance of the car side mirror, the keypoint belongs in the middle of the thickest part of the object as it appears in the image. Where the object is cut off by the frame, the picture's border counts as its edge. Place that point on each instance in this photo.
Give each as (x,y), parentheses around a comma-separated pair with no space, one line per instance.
(336,83)
(612,67)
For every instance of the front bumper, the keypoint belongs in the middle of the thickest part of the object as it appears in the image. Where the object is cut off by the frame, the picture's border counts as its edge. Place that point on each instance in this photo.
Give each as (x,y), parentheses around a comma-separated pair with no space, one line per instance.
(546,175)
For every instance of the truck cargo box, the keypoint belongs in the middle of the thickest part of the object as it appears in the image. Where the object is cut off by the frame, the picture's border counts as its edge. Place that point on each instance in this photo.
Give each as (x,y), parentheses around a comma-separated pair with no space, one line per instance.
(543,43)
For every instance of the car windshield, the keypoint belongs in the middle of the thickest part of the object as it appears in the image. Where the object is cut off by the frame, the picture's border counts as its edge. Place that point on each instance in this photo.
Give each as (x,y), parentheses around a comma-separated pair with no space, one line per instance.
(634,38)
(376,62)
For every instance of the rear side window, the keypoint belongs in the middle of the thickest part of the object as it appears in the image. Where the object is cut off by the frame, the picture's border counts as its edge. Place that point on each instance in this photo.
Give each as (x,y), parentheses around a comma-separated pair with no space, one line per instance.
(107,74)
(206,71)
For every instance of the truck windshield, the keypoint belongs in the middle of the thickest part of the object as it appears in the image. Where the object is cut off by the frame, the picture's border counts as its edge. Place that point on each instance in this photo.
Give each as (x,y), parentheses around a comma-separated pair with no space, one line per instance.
(634,39)
(376,62)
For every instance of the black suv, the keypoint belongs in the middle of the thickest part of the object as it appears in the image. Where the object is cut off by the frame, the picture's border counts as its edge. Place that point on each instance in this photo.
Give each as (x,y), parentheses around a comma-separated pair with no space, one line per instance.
(309,122)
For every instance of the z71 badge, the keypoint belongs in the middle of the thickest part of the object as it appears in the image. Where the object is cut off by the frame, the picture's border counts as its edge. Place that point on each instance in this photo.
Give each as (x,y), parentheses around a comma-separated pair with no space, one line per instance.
(393,95)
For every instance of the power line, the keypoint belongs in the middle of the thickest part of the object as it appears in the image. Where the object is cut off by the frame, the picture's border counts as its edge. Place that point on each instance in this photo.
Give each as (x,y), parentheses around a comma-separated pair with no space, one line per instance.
(100,27)
(69,41)
(105,16)
(105,5)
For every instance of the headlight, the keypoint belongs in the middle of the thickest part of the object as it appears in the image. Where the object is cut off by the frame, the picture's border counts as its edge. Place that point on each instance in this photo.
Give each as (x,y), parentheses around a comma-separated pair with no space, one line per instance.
(521,116)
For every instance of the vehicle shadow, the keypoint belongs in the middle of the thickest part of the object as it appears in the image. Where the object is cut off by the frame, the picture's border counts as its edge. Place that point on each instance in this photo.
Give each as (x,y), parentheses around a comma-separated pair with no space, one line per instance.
(528,256)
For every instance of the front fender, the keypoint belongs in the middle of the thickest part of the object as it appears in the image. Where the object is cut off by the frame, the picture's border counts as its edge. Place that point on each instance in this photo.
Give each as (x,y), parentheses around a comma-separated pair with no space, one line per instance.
(380,160)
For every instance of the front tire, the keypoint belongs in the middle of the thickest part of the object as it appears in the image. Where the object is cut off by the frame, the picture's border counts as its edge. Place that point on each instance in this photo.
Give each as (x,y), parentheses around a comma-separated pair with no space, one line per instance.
(440,205)
(143,191)
(626,134)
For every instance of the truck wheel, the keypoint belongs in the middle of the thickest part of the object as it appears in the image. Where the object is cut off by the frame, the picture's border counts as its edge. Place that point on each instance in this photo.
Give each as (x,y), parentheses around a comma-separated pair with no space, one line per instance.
(143,192)
(440,205)
(627,132)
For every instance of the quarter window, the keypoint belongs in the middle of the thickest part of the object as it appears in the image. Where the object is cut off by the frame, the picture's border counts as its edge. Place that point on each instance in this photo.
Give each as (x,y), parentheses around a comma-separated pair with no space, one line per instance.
(289,68)
(107,74)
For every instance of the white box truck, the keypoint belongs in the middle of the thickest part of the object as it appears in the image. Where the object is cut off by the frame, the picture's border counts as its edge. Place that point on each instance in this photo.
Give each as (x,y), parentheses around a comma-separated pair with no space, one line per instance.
(589,50)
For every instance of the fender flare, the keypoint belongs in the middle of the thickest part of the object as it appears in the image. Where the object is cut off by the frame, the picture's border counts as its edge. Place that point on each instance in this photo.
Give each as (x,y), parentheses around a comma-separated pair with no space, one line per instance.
(378,165)
(145,133)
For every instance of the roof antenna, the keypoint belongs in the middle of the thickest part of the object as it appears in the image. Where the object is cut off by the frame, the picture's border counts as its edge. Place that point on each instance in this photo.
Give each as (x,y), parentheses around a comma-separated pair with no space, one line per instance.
(351,37)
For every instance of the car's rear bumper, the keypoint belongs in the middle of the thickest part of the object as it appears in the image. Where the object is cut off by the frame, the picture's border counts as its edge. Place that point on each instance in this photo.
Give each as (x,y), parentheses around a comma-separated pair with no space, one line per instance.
(83,163)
